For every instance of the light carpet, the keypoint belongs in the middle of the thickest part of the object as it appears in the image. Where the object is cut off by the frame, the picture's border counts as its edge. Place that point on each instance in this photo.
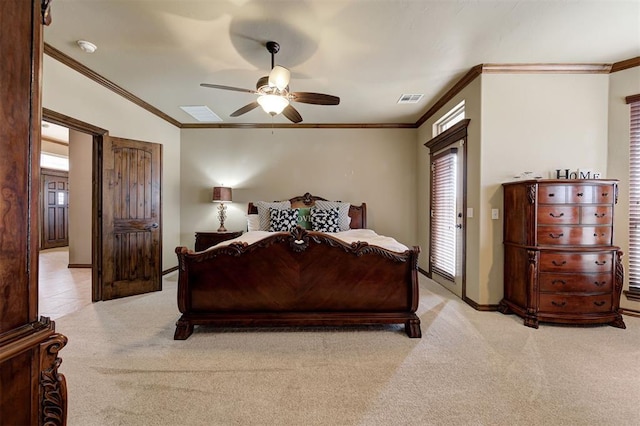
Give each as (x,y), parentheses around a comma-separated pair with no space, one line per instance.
(470,368)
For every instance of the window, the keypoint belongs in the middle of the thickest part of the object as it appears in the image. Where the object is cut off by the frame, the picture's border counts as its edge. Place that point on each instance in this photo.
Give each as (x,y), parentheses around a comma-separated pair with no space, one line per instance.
(52,161)
(634,195)
(449,119)
(443,214)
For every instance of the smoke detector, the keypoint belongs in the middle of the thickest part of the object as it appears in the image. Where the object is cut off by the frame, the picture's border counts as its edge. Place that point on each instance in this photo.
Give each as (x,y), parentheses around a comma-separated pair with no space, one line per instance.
(87,46)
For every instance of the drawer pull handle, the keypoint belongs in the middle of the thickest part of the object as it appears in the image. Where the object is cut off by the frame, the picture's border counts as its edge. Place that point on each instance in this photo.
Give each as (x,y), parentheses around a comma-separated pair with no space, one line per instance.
(556,215)
(580,194)
(564,262)
(598,303)
(556,236)
(599,283)
(601,262)
(563,282)
(559,304)
(602,235)
(600,214)
(552,194)
(605,194)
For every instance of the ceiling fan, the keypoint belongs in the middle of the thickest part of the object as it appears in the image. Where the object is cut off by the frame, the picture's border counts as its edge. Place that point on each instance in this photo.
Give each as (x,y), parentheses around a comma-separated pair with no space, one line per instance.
(273,92)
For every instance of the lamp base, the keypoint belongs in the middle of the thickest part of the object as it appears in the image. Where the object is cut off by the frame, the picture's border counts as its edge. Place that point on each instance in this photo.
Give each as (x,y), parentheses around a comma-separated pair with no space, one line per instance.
(222,228)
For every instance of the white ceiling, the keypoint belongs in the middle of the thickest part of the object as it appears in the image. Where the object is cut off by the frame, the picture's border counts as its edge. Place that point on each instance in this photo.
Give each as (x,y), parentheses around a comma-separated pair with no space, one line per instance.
(367,52)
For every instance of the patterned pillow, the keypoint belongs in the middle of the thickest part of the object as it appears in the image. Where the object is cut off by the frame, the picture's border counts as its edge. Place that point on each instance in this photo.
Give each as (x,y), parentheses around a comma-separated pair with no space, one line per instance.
(325,220)
(283,220)
(344,218)
(263,211)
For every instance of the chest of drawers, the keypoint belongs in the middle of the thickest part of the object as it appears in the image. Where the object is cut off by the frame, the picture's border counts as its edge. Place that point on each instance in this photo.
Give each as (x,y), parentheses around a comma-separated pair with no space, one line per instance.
(560,264)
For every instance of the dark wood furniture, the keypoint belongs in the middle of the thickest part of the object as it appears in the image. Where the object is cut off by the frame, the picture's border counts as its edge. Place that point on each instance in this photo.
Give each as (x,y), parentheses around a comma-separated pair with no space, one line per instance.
(204,240)
(31,390)
(560,264)
(296,279)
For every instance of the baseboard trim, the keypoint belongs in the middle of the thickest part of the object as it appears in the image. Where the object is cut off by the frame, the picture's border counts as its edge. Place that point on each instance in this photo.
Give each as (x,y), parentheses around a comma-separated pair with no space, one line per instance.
(630,312)
(478,307)
(80,265)
(170,270)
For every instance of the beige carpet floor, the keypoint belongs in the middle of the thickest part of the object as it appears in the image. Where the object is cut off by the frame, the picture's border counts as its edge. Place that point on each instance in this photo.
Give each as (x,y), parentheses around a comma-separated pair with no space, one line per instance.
(470,368)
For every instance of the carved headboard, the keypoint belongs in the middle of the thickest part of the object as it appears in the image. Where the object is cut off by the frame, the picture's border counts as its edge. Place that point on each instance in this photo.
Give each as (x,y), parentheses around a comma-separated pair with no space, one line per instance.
(358,214)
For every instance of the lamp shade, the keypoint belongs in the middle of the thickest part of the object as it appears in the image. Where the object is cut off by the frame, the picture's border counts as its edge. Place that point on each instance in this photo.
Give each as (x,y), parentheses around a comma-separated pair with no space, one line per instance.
(279,77)
(221,193)
(273,104)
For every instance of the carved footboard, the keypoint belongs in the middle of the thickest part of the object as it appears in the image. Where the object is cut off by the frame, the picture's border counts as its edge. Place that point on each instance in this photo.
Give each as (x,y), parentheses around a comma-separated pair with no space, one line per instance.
(295,279)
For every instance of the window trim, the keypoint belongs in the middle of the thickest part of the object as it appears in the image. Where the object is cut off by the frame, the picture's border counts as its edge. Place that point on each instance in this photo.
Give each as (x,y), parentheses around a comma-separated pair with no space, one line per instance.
(633,256)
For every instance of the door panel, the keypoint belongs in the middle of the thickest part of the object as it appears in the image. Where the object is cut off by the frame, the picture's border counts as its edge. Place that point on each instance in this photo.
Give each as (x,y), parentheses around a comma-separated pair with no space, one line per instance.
(55,209)
(131,222)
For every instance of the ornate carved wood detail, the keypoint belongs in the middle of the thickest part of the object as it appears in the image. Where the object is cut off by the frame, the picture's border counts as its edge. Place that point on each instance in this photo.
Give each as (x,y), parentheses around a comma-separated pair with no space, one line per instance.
(46,12)
(531,193)
(299,240)
(53,386)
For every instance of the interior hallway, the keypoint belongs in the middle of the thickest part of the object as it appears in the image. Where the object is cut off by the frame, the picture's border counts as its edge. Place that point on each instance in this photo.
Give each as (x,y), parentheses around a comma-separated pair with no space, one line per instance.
(61,290)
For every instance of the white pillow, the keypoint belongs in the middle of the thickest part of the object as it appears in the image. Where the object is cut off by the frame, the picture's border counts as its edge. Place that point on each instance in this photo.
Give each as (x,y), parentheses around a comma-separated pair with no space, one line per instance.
(263,211)
(253,222)
(343,211)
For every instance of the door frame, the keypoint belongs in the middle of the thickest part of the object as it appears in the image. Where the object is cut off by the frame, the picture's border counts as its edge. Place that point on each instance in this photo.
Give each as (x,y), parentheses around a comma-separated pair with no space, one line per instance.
(96,193)
(455,133)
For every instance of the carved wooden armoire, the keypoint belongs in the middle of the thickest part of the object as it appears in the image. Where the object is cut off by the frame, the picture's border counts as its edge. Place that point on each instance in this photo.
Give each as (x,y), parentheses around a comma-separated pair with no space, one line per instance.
(31,390)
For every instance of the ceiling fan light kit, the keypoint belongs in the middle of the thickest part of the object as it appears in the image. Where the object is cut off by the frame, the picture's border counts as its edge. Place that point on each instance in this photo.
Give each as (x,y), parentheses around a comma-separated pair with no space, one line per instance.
(273,92)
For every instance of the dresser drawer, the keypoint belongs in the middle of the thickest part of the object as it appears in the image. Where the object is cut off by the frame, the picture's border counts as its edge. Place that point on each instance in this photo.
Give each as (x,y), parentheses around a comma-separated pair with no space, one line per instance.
(575,262)
(596,215)
(585,283)
(580,194)
(574,235)
(558,215)
(559,303)
(604,194)
(552,194)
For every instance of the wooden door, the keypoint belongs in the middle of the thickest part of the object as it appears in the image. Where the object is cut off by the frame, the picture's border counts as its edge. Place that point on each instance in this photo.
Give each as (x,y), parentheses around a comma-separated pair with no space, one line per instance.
(131,261)
(55,209)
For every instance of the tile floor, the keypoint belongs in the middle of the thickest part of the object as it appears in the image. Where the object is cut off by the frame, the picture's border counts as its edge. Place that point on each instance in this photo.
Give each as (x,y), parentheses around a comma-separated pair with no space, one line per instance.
(61,290)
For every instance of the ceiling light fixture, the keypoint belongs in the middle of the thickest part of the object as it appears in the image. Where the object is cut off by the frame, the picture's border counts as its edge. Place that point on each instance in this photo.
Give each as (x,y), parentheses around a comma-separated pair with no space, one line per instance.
(273,104)
(87,46)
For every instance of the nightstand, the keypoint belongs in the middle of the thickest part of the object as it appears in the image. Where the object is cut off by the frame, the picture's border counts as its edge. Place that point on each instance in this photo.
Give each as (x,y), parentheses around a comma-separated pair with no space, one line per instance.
(204,240)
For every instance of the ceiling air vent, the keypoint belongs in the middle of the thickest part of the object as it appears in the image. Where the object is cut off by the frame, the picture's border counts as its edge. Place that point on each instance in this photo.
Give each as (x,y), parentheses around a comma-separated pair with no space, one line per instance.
(410,99)
(201,113)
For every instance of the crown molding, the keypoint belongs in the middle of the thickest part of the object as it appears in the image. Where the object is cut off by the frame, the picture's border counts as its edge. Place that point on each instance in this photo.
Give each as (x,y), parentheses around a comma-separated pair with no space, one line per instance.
(463,82)
(92,75)
(547,68)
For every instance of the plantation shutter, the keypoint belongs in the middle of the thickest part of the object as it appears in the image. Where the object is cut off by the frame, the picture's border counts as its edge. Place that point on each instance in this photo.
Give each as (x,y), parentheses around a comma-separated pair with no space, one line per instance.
(634,196)
(443,214)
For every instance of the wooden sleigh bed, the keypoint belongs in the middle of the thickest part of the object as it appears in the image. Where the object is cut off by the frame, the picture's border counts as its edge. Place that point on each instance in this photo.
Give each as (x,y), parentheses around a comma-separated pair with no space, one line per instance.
(298,278)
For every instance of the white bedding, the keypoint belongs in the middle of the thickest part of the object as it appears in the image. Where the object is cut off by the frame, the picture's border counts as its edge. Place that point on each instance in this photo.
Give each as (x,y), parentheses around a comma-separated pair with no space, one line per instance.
(365,235)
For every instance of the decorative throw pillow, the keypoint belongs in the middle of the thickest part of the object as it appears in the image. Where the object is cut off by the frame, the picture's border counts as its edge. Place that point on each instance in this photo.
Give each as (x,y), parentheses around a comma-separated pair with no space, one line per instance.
(263,211)
(253,222)
(304,217)
(283,220)
(344,218)
(326,220)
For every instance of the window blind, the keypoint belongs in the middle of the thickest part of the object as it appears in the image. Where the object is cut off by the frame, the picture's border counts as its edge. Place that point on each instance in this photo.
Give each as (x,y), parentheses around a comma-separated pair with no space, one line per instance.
(443,215)
(634,199)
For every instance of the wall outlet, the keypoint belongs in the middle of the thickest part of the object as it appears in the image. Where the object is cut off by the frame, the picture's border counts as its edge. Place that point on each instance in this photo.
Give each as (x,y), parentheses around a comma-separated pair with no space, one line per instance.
(495,214)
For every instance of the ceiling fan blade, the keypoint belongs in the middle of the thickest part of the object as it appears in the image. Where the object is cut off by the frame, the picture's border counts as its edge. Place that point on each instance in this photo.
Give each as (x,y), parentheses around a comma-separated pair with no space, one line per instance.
(235,89)
(292,114)
(245,109)
(314,98)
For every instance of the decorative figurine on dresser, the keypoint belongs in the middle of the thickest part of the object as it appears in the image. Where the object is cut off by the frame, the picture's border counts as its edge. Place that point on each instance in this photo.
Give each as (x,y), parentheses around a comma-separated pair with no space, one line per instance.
(560,264)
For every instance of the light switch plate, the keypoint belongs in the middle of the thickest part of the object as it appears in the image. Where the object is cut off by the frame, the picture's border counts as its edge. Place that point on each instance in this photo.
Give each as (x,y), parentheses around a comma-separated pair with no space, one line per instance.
(495,214)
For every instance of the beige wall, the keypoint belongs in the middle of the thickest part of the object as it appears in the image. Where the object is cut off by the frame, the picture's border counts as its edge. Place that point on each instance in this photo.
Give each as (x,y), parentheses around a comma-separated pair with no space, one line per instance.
(55,148)
(376,166)
(80,184)
(621,84)
(519,122)
(68,92)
